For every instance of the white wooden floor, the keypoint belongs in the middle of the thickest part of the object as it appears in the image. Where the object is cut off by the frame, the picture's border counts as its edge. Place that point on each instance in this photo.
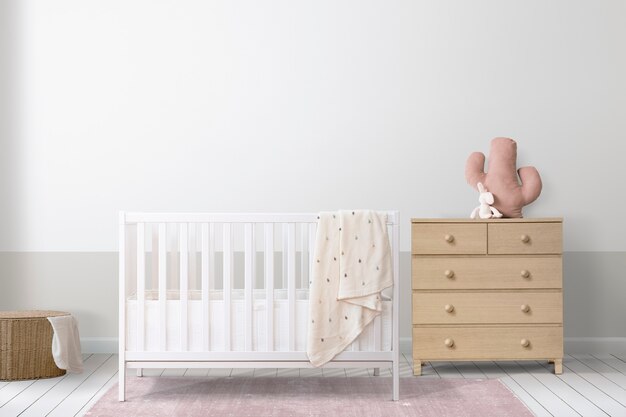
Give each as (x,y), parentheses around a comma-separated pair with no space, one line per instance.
(591,385)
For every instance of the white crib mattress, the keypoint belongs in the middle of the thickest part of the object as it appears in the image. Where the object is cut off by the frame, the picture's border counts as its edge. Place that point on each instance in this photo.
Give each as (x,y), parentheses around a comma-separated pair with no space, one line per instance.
(365,342)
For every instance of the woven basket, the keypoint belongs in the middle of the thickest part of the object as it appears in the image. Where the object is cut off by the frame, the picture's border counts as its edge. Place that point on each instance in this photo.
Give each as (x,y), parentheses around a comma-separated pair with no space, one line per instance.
(26,345)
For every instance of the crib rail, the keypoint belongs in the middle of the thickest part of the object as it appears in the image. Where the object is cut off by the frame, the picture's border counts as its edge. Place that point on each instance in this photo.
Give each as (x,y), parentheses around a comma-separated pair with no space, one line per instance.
(161,252)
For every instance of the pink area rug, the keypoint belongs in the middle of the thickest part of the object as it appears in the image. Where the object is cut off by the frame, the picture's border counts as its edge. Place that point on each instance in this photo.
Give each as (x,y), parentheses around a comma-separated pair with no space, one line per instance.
(328,397)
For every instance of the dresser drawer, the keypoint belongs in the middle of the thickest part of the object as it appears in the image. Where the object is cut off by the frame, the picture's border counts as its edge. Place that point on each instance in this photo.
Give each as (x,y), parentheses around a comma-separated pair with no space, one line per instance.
(487,307)
(474,343)
(525,238)
(502,272)
(449,238)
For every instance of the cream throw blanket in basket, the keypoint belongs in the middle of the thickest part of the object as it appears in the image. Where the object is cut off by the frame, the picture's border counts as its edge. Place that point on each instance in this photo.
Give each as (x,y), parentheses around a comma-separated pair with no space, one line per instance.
(352,265)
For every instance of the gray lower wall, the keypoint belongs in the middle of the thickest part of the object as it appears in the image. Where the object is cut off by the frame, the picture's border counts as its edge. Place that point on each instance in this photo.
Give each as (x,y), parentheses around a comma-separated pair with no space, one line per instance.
(85,284)
(594,289)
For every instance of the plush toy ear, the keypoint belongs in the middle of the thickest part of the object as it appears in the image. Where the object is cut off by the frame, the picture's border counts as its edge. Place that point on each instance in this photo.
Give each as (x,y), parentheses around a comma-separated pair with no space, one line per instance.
(481,188)
(488,198)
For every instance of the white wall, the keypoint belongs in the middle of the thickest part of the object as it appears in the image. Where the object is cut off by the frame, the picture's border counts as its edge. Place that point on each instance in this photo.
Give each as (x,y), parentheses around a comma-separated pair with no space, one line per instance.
(293,105)
(9,168)
(241,105)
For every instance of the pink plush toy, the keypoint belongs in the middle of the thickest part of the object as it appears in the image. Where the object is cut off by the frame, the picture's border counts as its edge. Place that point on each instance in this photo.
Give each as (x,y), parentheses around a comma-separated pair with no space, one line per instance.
(501,178)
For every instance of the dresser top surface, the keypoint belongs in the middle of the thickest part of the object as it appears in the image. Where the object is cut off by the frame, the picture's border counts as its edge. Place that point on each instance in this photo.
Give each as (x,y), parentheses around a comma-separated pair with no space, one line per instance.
(459,220)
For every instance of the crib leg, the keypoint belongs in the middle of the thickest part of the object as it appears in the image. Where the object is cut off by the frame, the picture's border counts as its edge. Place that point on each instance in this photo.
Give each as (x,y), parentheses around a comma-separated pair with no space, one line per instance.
(122,381)
(396,380)
(139,372)
(376,371)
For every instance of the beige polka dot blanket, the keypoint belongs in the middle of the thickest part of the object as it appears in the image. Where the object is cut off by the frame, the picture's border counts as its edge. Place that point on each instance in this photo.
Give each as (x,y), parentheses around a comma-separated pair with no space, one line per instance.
(352,265)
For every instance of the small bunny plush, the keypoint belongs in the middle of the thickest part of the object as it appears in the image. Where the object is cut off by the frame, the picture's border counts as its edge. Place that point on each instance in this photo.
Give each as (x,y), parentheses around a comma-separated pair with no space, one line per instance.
(485,211)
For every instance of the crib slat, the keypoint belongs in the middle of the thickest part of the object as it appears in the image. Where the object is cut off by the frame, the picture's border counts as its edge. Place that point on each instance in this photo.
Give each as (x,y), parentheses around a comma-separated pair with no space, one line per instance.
(253,262)
(228,270)
(248,237)
(205,287)
(254,285)
(284,256)
(192,254)
(377,334)
(154,258)
(354,346)
(141,284)
(304,259)
(162,287)
(211,256)
(291,283)
(312,231)
(184,284)
(269,284)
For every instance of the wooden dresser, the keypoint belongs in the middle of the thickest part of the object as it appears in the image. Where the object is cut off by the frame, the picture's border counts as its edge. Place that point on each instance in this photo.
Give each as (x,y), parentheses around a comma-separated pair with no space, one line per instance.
(487,290)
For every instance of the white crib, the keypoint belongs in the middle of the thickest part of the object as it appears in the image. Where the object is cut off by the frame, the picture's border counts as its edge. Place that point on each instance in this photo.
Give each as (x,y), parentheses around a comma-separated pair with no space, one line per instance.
(194,294)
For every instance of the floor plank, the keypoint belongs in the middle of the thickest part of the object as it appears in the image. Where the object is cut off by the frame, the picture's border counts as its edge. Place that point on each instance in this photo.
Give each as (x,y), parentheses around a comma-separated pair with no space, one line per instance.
(446,370)
(406,369)
(590,391)
(288,372)
(587,389)
(566,393)
(70,383)
(553,404)
(598,380)
(220,372)
(32,393)
(317,372)
(197,372)
(13,389)
(603,369)
(78,398)
(174,372)
(384,372)
(490,369)
(106,387)
(334,372)
(613,362)
(153,371)
(242,372)
(263,372)
(468,370)
(350,372)
(620,356)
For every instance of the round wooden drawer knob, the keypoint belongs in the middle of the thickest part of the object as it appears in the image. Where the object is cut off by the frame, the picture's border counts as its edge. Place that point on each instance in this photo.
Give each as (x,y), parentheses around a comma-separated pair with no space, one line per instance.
(449,238)
(525,273)
(525,238)
(448,342)
(525,308)
(449,308)
(449,273)
(525,342)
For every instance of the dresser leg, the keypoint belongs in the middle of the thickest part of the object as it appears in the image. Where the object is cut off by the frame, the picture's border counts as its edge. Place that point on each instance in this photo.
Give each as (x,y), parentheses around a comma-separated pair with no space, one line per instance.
(417,367)
(558,366)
